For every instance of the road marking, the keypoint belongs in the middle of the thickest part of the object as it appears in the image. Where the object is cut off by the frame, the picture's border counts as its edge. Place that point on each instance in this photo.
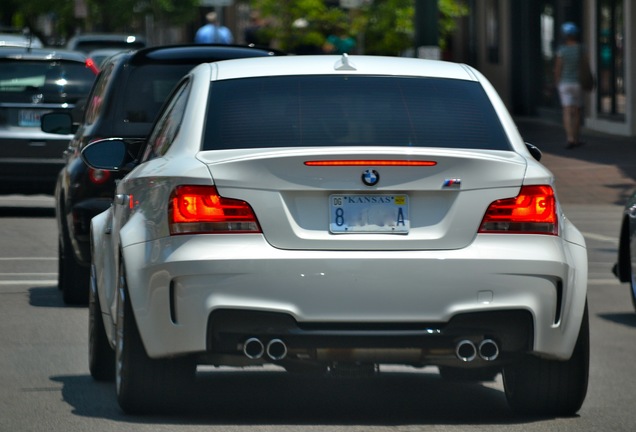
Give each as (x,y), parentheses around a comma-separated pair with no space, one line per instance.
(28,282)
(600,237)
(28,259)
(604,282)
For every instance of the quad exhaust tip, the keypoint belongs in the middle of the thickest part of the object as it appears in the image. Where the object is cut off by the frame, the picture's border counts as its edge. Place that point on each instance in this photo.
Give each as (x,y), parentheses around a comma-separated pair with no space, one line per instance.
(488,350)
(467,351)
(254,349)
(276,349)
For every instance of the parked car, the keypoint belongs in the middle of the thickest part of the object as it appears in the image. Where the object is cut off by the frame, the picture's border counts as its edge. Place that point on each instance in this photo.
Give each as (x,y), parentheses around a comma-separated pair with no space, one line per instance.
(33,82)
(88,42)
(20,40)
(625,267)
(332,214)
(124,101)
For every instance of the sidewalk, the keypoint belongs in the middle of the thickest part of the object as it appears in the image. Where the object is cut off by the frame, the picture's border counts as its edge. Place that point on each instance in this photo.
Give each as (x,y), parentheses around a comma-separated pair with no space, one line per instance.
(603,171)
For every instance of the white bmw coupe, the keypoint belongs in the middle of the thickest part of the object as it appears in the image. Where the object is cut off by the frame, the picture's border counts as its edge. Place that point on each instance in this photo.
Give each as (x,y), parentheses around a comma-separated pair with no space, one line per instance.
(337,213)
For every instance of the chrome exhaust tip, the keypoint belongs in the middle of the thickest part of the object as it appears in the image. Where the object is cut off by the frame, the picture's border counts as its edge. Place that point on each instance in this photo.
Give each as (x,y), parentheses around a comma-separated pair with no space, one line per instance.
(253,348)
(488,350)
(466,350)
(276,349)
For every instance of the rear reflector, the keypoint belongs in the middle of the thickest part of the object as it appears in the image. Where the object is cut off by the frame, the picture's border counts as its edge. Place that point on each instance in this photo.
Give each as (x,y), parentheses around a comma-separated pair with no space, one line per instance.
(369,162)
(533,211)
(200,209)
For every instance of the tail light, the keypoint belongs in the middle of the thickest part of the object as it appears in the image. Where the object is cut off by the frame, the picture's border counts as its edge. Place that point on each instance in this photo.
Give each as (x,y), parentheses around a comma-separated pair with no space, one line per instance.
(97,176)
(533,211)
(200,209)
(90,63)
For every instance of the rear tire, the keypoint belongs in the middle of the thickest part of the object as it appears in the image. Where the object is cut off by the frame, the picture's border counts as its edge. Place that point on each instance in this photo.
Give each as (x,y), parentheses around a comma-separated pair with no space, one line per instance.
(543,387)
(73,278)
(145,385)
(101,356)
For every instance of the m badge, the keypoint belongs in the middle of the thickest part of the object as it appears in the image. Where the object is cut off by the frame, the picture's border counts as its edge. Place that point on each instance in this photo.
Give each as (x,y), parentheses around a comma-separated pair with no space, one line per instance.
(453,183)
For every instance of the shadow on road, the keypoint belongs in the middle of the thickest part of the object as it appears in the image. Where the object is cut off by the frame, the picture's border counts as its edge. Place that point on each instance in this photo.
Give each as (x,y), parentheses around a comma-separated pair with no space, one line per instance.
(27,212)
(626,319)
(46,296)
(278,398)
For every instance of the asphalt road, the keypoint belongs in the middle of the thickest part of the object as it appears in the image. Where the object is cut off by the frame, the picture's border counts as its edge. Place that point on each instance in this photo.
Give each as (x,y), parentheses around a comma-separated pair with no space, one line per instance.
(45,384)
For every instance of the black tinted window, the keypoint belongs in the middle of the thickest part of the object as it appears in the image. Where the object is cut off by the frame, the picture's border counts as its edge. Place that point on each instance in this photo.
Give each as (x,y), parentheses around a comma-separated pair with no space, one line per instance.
(351,110)
(147,89)
(168,124)
(55,81)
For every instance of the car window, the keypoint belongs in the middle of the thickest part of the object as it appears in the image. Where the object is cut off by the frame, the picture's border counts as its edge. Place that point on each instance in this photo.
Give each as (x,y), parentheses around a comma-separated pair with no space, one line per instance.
(147,88)
(92,45)
(96,98)
(167,126)
(50,81)
(351,111)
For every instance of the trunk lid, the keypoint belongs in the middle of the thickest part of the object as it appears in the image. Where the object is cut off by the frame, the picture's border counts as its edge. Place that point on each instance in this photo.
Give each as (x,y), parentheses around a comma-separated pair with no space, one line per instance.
(297,205)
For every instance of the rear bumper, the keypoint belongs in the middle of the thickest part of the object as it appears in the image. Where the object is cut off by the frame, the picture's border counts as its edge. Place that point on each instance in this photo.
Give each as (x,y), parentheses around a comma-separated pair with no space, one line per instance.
(29,175)
(184,284)
(230,333)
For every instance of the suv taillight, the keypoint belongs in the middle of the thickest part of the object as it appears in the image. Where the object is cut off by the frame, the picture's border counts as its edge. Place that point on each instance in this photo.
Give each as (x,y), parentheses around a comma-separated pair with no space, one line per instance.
(533,211)
(90,63)
(97,176)
(201,210)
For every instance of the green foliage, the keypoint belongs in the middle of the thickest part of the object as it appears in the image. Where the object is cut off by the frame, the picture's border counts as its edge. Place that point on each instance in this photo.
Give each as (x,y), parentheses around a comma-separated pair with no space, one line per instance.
(389,26)
(381,26)
(449,12)
(103,15)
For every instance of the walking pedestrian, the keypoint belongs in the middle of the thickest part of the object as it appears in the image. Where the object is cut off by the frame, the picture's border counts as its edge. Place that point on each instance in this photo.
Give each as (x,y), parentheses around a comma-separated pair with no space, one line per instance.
(568,81)
(213,32)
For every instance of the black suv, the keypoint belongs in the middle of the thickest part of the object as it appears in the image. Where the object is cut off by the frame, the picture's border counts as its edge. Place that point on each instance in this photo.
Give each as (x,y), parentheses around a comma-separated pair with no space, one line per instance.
(33,82)
(128,93)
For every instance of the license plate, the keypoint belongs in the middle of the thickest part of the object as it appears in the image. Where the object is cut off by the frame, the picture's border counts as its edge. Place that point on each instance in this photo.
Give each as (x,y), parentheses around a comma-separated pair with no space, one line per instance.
(366,213)
(29,118)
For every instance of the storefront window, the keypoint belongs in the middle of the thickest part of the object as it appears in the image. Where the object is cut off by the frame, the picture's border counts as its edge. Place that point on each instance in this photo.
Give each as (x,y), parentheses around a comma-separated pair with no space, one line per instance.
(548,94)
(610,55)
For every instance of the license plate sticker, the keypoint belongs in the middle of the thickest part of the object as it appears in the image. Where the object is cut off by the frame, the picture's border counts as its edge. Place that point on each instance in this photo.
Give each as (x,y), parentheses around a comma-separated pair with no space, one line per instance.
(29,118)
(367,213)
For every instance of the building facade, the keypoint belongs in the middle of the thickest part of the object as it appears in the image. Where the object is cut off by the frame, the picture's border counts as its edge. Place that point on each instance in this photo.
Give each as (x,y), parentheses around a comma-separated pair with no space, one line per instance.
(514,44)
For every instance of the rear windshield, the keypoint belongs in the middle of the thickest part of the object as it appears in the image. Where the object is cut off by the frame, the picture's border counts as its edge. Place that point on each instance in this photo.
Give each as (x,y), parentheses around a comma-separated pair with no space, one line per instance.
(295,111)
(92,45)
(51,81)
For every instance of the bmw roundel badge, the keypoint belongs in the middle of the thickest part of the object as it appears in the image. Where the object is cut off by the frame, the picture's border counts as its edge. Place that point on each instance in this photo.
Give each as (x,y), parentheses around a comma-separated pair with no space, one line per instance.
(370,177)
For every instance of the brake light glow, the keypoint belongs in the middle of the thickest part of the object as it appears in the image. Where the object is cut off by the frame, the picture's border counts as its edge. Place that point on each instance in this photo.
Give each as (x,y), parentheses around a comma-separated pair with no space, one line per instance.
(200,209)
(97,176)
(533,211)
(369,162)
(90,63)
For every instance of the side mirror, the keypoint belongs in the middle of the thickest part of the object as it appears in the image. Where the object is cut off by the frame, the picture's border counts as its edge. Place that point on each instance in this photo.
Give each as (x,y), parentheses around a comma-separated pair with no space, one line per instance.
(107,154)
(534,151)
(59,123)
